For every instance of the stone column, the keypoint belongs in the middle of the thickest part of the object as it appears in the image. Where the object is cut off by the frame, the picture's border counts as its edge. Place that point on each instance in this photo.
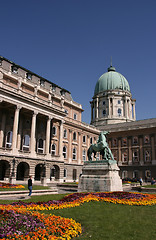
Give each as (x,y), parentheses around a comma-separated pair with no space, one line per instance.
(130,151)
(97,107)
(134,115)
(109,108)
(70,146)
(2,129)
(119,149)
(61,139)
(47,143)
(33,131)
(79,149)
(153,148)
(19,135)
(141,158)
(112,107)
(91,111)
(125,107)
(15,128)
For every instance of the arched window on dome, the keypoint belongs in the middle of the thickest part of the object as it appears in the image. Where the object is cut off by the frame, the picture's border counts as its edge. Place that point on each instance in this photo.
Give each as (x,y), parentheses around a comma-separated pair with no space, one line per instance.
(104,112)
(119,111)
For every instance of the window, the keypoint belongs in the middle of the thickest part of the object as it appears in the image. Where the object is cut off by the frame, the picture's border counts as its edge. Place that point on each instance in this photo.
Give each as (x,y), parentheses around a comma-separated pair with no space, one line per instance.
(135,156)
(75,116)
(84,155)
(54,131)
(84,139)
(104,112)
(53,88)
(65,133)
(62,92)
(26,142)
(65,173)
(147,156)
(74,136)
(66,111)
(114,142)
(124,157)
(9,139)
(124,142)
(42,82)
(135,140)
(115,154)
(97,156)
(74,153)
(91,140)
(53,149)
(14,69)
(148,174)
(65,152)
(124,174)
(119,102)
(136,174)
(146,139)
(40,145)
(119,111)
(29,76)
(104,102)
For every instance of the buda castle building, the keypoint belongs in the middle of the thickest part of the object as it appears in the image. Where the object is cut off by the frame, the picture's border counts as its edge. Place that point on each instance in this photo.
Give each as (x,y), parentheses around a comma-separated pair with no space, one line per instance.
(42,134)
(133,143)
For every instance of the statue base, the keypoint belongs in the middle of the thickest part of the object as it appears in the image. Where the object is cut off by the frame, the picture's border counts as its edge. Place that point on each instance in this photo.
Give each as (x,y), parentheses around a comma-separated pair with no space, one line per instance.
(100,176)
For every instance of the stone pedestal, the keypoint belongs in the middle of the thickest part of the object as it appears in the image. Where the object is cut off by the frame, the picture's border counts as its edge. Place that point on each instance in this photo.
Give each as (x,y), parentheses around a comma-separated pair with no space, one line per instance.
(100,176)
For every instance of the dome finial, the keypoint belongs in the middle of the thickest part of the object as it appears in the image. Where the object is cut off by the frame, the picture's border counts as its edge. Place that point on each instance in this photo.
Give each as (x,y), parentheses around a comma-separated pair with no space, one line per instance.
(111,68)
(111,61)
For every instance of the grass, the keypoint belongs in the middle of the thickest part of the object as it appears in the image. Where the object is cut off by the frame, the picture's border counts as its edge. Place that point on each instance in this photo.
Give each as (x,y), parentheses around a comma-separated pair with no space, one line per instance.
(102,220)
(35,187)
(150,186)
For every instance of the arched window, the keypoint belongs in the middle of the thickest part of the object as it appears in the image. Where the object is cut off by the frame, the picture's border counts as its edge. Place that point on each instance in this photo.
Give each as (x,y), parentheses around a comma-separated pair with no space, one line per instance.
(40,145)
(54,130)
(136,174)
(148,174)
(53,149)
(84,155)
(74,136)
(124,157)
(65,152)
(124,174)
(65,172)
(74,153)
(26,142)
(119,111)
(147,156)
(65,133)
(135,156)
(84,139)
(9,139)
(104,112)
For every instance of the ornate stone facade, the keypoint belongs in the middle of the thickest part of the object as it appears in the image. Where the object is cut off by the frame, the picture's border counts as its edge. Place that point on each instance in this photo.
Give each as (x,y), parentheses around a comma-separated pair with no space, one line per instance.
(41,132)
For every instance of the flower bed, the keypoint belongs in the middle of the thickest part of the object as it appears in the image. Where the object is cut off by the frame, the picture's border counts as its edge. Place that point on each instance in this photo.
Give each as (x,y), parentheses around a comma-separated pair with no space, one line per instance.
(9,185)
(16,217)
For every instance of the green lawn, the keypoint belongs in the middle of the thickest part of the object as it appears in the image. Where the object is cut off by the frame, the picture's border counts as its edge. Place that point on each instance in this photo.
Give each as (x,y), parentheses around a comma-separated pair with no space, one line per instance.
(150,186)
(109,221)
(35,187)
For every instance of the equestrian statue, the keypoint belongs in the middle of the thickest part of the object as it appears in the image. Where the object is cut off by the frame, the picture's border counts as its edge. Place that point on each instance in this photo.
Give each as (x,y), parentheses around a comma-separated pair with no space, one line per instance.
(102,147)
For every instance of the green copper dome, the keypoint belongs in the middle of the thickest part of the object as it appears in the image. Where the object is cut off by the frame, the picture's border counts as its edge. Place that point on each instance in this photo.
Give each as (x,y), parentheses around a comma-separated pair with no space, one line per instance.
(111,80)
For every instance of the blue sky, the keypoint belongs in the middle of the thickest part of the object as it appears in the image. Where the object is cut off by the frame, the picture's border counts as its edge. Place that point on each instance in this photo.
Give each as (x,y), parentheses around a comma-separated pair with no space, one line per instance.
(70,43)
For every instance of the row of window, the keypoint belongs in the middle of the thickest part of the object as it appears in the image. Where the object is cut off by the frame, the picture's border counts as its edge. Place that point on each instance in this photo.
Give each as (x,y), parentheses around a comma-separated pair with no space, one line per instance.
(135,156)
(134,141)
(136,174)
(119,112)
(40,146)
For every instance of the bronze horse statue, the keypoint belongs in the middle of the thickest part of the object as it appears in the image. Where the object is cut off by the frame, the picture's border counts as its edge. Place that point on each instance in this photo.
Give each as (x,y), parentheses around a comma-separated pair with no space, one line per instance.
(102,147)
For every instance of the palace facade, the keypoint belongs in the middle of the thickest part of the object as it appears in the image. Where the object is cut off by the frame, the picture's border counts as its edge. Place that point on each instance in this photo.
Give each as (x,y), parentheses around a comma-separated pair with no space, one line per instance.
(133,143)
(41,132)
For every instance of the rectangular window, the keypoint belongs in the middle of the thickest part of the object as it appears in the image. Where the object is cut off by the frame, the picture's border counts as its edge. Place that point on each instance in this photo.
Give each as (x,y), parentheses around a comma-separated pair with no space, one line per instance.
(75,116)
